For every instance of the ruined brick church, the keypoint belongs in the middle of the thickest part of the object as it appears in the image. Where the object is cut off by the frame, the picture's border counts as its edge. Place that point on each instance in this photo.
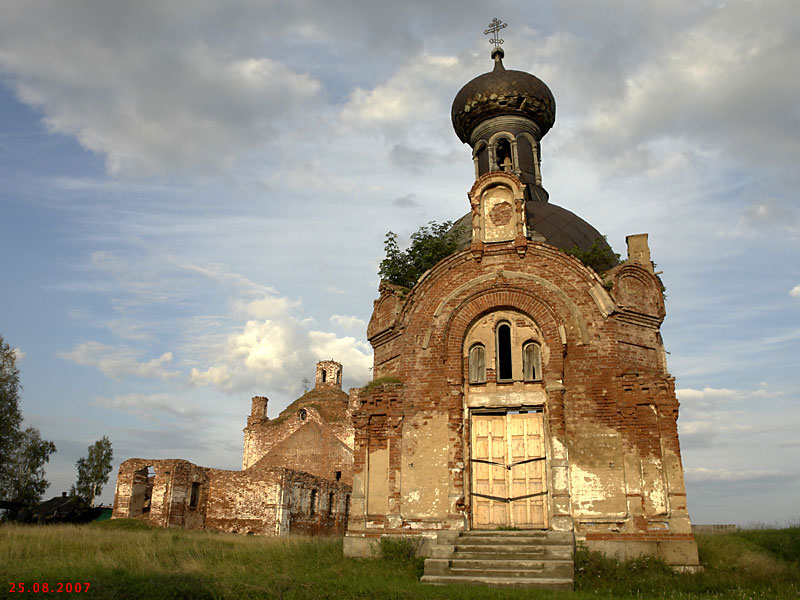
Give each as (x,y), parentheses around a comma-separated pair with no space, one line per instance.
(520,384)
(533,389)
(296,472)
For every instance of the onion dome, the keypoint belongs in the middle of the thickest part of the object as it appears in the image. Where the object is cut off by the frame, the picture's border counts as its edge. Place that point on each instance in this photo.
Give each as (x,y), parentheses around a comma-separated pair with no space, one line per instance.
(502,92)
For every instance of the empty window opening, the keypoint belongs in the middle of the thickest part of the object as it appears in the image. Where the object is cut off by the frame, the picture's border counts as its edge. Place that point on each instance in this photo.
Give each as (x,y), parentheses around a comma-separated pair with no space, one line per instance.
(313,508)
(330,503)
(302,414)
(338,475)
(142,491)
(503,152)
(504,352)
(194,496)
(531,361)
(477,364)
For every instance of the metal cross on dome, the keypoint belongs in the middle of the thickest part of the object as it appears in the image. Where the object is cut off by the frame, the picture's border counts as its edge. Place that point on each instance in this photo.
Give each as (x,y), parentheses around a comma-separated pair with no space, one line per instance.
(494,27)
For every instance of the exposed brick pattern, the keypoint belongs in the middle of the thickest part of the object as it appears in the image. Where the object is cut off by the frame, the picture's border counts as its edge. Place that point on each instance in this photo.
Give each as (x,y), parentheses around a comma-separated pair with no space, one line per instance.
(297,473)
(609,403)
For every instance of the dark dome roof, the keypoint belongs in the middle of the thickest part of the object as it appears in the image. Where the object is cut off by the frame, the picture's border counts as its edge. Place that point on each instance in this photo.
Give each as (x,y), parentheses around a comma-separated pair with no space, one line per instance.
(558,226)
(502,92)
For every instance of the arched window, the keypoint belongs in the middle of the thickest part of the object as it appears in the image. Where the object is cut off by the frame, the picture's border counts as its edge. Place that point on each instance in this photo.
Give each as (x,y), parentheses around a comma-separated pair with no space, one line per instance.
(503,154)
(324,375)
(477,364)
(313,507)
(531,361)
(330,503)
(504,372)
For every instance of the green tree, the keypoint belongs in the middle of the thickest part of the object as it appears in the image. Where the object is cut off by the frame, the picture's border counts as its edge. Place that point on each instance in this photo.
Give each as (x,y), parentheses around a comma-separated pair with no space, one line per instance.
(25,481)
(23,454)
(430,244)
(10,417)
(93,470)
(599,257)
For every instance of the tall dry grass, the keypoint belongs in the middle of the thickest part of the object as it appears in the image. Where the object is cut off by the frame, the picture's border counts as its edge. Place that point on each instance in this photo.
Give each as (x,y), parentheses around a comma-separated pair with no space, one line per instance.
(126,560)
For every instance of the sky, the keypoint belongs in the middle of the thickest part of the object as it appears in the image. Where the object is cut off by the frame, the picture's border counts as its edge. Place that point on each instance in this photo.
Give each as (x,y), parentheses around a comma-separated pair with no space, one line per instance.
(195,196)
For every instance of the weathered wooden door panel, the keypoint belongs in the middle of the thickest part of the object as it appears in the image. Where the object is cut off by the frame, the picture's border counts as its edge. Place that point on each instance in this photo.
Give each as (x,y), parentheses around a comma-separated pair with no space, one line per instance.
(508,470)
(488,443)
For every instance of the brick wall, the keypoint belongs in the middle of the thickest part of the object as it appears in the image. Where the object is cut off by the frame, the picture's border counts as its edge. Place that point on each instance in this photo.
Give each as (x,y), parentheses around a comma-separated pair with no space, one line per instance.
(609,402)
(271,501)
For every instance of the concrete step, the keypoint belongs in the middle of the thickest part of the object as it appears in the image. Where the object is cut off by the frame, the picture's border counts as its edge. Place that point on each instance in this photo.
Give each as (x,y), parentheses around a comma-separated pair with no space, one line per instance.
(531,558)
(503,552)
(494,563)
(517,537)
(539,555)
(552,583)
(500,568)
(558,552)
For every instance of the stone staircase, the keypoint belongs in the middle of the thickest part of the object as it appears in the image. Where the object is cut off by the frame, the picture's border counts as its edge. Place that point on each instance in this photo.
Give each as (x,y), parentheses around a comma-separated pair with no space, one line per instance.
(541,559)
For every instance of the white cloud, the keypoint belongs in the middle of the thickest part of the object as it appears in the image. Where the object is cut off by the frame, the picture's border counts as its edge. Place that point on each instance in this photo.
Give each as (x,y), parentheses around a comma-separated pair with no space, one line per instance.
(214,376)
(141,281)
(744,476)
(119,362)
(277,353)
(715,395)
(265,308)
(128,330)
(129,83)
(267,347)
(795,291)
(19,355)
(148,406)
(220,273)
(349,322)
(766,217)
(419,90)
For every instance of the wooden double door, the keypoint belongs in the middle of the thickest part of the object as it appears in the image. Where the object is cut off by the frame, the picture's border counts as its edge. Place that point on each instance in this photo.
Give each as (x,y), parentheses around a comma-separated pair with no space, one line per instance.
(507,459)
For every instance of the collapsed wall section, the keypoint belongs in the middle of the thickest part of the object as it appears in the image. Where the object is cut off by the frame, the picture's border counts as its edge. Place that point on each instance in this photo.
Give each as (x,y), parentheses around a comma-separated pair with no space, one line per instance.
(270,501)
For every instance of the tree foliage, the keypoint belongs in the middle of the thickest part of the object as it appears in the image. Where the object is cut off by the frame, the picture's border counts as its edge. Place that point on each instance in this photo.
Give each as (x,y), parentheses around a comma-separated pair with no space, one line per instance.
(10,417)
(23,454)
(93,470)
(599,256)
(429,244)
(26,482)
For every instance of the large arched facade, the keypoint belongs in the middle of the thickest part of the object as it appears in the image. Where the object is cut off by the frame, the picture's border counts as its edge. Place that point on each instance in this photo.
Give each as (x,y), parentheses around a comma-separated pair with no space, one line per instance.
(515,386)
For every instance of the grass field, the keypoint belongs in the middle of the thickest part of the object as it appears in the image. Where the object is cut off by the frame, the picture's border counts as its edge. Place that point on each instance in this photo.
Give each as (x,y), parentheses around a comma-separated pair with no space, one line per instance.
(124,559)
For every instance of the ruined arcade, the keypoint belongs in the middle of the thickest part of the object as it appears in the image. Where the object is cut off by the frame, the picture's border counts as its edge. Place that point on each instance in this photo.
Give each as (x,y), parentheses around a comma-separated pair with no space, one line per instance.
(530,390)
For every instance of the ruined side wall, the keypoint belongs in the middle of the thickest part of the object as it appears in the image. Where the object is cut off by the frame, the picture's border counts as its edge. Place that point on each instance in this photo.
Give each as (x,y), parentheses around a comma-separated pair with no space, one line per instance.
(164,500)
(626,472)
(276,502)
(261,501)
(329,516)
(376,460)
(244,501)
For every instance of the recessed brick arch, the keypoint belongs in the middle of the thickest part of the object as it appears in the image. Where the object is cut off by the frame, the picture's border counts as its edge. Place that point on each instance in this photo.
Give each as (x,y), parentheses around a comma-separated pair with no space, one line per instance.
(488,301)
